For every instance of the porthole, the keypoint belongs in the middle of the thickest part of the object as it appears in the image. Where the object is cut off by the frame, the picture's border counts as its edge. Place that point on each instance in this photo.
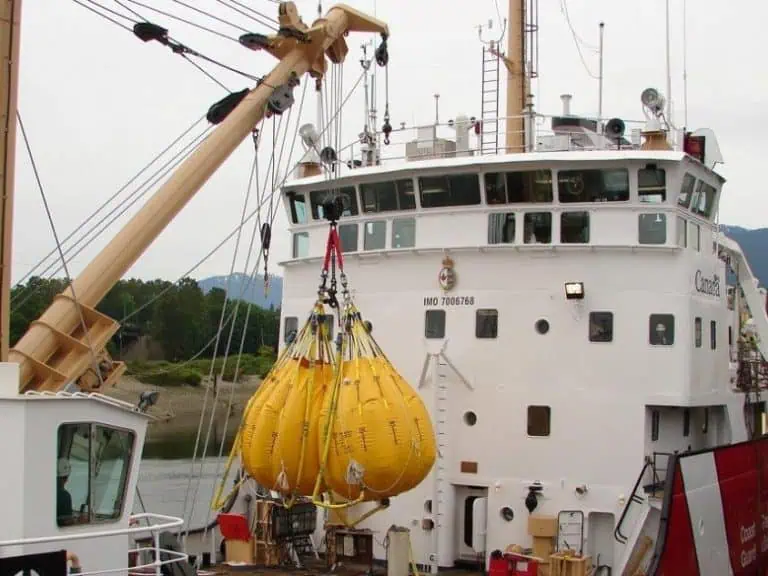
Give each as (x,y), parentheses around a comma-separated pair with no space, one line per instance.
(470,418)
(507,514)
(428,506)
(542,326)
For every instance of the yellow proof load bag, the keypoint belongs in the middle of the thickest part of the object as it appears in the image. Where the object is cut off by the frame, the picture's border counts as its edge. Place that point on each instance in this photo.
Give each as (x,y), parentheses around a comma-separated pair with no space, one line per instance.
(380,440)
(279,439)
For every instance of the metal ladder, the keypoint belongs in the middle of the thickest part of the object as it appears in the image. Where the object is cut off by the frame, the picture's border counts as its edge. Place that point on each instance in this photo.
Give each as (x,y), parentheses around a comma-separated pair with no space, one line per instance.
(440,379)
(489,137)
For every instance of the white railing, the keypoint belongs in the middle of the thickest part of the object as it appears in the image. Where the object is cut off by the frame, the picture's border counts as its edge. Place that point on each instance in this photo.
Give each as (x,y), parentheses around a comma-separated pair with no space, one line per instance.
(164,523)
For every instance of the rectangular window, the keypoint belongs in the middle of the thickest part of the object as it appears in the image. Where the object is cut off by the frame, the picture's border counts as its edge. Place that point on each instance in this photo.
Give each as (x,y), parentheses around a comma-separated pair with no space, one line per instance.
(697,332)
(682,232)
(348,237)
(661,329)
(298,207)
(403,232)
(290,326)
(388,196)
(486,323)
(301,245)
(651,185)
(328,320)
(695,236)
(375,237)
(537,228)
(593,185)
(703,199)
(534,186)
(652,228)
(705,424)
(539,420)
(655,421)
(434,324)
(730,335)
(91,473)
(686,422)
(713,335)
(574,227)
(601,326)
(348,200)
(501,228)
(686,191)
(451,190)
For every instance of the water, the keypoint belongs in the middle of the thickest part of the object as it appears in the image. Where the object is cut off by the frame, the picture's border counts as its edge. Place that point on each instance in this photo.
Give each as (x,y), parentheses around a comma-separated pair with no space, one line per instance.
(163,486)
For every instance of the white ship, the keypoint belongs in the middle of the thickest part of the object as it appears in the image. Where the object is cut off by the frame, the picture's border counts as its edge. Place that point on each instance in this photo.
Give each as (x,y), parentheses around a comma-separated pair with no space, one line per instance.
(558,296)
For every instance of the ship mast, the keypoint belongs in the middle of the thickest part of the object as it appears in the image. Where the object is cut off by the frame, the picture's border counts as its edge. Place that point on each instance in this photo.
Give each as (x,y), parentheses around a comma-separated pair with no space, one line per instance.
(9,82)
(516,81)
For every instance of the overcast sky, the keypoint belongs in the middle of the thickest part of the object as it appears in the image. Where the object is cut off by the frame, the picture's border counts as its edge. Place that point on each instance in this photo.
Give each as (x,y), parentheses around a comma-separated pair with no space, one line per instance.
(98,103)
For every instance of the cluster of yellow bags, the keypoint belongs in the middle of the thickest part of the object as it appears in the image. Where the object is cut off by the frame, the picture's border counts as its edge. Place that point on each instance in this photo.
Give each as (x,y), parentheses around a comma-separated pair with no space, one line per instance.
(341,421)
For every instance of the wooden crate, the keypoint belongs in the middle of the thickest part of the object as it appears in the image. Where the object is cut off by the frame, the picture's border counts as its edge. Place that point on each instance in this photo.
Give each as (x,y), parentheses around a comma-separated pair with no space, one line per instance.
(567,563)
(266,552)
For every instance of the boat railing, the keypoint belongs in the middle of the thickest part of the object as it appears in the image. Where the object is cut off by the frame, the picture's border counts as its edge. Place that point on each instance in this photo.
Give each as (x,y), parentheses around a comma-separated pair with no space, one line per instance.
(157,524)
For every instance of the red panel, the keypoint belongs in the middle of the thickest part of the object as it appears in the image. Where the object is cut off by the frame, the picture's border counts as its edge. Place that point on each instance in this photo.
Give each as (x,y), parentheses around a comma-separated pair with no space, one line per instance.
(679,555)
(234,527)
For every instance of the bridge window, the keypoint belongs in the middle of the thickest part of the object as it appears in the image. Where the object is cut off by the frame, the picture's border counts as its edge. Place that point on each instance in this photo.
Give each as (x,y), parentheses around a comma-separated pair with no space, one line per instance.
(403,233)
(534,186)
(388,196)
(298,206)
(682,232)
(348,200)
(652,228)
(686,422)
(686,191)
(301,245)
(486,323)
(451,190)
(539,420)
(712,335)
(348,237)
(695,236)
(434,324)
(655,421)
(574,227)
(593,185)
(661,329)
(501,228)
(703,199)
(91,473)
(375,237)
(651,185)
(697,332)
(601,326)
(290,325)
(537,228)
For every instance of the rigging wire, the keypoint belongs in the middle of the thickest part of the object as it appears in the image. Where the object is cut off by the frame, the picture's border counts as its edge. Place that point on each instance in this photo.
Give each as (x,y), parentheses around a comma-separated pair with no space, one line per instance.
(86,334)
(104,15)
(212,16)
(271,22)
(578,42)
(185,21)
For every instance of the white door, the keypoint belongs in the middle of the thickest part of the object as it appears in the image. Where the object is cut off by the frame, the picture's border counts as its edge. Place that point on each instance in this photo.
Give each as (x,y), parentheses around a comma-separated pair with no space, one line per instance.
(471,523)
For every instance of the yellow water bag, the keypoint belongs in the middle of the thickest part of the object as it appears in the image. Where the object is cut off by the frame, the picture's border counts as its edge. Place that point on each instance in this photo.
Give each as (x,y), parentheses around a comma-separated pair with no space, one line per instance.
(381,439)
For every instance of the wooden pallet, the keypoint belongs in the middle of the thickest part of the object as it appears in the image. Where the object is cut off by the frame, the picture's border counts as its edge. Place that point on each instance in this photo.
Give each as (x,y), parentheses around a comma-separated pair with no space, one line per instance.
(567,563)
(266,552)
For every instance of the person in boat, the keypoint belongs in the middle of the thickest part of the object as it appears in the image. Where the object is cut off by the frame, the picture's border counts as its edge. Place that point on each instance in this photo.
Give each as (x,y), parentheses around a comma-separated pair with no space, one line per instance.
(64,513)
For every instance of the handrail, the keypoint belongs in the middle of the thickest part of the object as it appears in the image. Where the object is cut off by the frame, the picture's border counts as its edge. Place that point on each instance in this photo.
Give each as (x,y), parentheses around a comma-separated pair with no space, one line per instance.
(618,536)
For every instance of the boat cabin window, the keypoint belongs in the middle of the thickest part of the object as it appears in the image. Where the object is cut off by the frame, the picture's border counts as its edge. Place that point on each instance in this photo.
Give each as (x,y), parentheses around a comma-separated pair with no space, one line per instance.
(91,473)
(501,228)
(348,237)
(486,323)
(703,199)
(328,320)
(388,196)
(290,328)
(297,204)
(403,232)
(434,324)
(661,328)
(695,242)
(682,232)
(375,237)
(539,420)
(450,190)
(655,421)
(593,185)
(534,186)
(686,422)
(301,245)
(712,335)
(651,185)
(601,326)
(348,199)
(697,332)
(652,228)
(686,190)
(574,227)
(537,228)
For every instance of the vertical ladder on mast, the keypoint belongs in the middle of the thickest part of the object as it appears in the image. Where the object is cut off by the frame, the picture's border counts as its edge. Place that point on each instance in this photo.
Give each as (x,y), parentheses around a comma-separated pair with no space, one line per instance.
(489,136)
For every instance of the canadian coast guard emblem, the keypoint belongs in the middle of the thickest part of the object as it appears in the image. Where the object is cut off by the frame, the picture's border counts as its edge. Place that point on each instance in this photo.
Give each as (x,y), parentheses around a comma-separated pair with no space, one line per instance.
(447,276)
